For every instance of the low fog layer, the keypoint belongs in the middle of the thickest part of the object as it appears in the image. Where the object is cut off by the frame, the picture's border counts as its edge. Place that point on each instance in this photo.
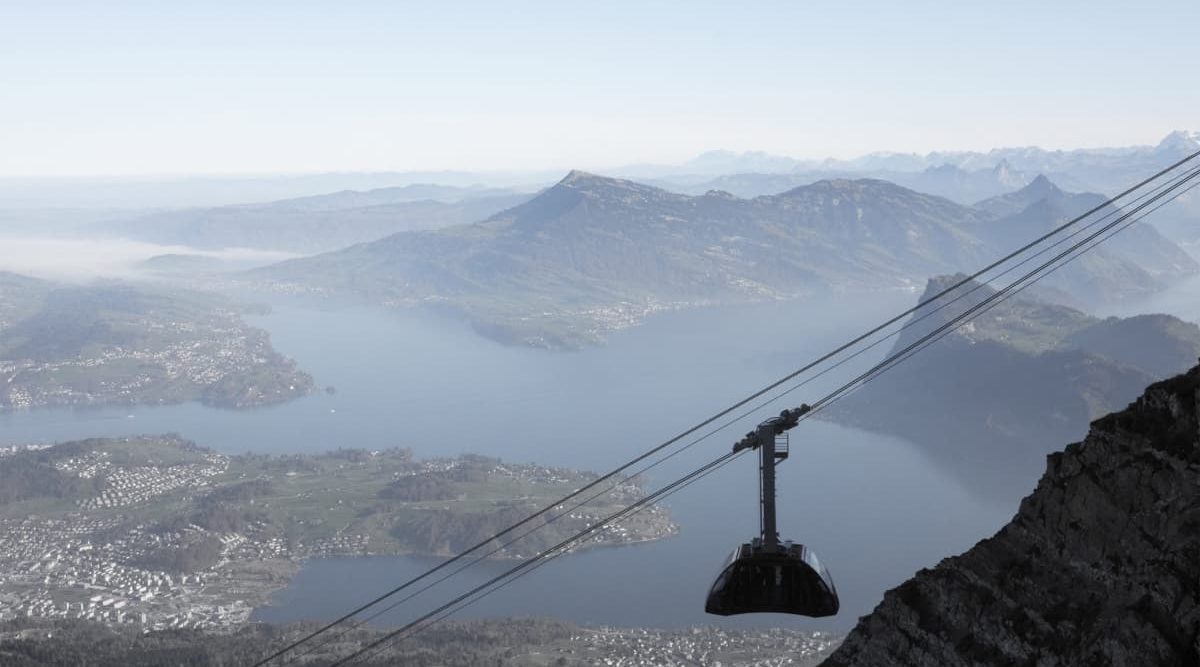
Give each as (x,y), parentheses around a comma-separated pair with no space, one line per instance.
(82,260)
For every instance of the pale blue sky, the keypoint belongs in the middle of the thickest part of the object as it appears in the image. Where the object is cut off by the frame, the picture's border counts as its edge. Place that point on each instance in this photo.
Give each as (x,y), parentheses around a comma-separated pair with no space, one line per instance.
(111,87)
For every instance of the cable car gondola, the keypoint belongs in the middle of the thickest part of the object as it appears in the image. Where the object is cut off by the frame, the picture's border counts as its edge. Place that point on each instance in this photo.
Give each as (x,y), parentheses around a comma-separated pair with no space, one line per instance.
(766,575)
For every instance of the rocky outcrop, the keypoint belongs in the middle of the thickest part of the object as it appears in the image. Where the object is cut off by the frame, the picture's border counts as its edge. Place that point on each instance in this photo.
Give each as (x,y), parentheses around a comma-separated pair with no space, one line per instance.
(1100,566)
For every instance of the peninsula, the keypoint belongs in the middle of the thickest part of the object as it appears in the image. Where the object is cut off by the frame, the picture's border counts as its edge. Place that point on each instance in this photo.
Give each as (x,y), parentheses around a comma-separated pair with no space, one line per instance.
(118,344)
(158,531)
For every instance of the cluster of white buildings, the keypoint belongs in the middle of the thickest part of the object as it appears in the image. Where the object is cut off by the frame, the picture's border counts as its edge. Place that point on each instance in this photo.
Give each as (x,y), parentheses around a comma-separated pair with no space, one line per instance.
(100,562)
(126,486)
(52,568)
(80,580)
(700,646)
(227,347)
(93,565)
(16,449)
(201,355)
(624,315)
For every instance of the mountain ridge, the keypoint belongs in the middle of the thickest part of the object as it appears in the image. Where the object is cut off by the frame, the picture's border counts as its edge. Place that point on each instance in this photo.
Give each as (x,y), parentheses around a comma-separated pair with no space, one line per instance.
(1137,261)
(592,254)
(306,224)
(591,244)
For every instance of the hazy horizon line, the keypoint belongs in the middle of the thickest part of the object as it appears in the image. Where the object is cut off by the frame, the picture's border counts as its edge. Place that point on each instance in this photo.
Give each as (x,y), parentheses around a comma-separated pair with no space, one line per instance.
(564,169)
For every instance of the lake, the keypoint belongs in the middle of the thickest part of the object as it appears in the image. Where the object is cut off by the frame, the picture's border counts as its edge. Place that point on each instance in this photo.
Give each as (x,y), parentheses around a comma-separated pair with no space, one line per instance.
(872,506)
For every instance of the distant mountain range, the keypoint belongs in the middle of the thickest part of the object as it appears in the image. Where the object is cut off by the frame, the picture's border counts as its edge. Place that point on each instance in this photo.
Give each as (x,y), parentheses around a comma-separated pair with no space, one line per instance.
(593,254)
(1030,159)
(417,192)
(947,180)
(964,177)
(1084,164)
(164,192)
(315,224)
(1135,262)
(1002,391)
(1099,170)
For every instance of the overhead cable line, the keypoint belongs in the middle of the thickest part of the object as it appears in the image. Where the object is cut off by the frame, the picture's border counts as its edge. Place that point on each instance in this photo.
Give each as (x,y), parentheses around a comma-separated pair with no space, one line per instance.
(436,617)
(1031,277)
(722,414)
(564,544)
(978,285)
(358,623)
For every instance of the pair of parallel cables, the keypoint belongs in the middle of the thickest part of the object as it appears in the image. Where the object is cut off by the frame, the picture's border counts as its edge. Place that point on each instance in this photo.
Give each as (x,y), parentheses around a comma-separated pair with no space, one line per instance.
(1095,231)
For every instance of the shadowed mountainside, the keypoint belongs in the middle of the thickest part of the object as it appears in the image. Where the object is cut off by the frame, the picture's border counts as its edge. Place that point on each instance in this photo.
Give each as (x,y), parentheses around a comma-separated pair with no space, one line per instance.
(1003,390)
(1134,263)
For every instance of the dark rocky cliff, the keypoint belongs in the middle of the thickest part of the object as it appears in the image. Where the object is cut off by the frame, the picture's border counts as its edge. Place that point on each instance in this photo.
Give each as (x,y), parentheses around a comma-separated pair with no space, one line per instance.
(1100,566)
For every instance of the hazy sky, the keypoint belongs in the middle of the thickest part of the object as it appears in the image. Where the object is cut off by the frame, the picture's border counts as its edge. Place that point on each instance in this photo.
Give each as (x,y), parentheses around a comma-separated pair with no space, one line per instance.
(111,87)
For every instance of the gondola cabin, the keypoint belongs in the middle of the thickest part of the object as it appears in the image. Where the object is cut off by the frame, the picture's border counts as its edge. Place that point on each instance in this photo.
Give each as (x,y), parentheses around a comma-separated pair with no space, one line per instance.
(767,575)
(788,580)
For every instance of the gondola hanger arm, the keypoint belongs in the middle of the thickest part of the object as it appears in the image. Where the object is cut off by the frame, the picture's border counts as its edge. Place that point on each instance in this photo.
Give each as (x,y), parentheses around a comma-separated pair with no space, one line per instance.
(772,427)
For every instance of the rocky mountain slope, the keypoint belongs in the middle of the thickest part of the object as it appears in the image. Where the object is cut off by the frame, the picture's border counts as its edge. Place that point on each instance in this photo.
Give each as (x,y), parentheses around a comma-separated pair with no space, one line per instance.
(1010,386)
(1099,566)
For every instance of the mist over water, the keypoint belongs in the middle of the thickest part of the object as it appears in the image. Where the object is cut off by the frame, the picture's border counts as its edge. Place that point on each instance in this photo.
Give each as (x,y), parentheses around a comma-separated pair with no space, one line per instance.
(1181,300)
(81,260)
